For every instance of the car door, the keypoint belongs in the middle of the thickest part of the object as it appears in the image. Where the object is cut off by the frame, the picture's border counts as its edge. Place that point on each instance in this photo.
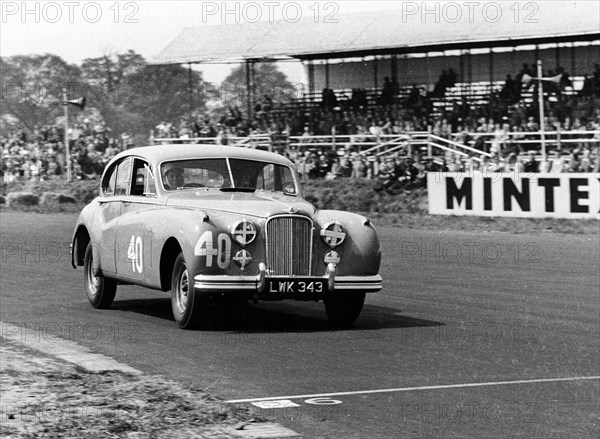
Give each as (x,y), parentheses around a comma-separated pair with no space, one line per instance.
(134,230)
(114,185)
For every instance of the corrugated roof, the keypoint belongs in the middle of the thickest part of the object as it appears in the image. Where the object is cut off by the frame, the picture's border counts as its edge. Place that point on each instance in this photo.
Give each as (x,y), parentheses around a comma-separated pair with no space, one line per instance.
(389,31)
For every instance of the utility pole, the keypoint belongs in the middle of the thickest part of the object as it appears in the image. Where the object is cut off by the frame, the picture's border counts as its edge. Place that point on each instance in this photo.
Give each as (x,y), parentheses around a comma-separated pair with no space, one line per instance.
(541,105)
(66,137)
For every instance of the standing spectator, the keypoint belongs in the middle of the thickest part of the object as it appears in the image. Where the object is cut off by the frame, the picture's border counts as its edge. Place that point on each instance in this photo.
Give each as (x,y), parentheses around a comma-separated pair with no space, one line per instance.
(358,166)
(531,165)
(222,135)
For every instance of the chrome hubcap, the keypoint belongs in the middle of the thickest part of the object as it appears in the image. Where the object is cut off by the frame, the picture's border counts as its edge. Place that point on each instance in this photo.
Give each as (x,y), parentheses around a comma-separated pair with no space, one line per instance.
(182,293)
(93,281)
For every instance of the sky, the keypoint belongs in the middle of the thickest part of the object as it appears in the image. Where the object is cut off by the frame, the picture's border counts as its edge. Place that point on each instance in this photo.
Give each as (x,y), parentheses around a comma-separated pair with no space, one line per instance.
(81,29)
(76,30)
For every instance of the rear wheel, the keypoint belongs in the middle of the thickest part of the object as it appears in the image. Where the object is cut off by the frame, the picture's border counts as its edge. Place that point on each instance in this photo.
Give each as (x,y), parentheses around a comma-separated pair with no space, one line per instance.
(100,290)
(343,308)
(186,303)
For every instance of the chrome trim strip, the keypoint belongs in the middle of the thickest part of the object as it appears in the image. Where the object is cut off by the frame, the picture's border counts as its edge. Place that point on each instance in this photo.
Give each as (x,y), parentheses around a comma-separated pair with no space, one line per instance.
(224,286)
(225,282)
(257,283)
(367,283)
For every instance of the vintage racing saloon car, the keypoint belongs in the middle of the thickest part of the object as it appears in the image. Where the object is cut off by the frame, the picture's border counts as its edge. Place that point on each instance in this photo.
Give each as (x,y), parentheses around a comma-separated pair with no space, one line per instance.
(208,221)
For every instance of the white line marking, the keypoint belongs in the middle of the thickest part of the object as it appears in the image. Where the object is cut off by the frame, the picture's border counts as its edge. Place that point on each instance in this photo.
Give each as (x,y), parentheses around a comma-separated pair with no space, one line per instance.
(275,404)
(64,349)
(409,389)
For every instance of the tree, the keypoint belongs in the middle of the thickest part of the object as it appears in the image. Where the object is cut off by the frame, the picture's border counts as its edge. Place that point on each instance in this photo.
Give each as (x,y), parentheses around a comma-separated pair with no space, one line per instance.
(134,97)
(130,95)
(270,83)
(157,93)
(110,70)
(32,87)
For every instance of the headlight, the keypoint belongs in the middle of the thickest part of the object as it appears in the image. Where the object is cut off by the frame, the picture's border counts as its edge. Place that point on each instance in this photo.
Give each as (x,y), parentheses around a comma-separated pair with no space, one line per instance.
(244,232)
(333,234)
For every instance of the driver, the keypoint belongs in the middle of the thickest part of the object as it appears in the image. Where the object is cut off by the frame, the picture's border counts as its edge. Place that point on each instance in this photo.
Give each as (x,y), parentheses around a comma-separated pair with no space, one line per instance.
(172,176)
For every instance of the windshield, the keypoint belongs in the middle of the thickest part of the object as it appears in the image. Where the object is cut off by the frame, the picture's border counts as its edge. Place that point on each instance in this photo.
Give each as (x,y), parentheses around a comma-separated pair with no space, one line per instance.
(227,174)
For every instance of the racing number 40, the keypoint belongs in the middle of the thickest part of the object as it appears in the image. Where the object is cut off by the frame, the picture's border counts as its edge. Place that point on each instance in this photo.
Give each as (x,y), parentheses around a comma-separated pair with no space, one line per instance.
(135,254)
(205,247)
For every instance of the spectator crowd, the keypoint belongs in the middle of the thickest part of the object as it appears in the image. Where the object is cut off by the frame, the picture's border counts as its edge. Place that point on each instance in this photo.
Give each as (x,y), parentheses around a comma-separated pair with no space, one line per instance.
(41,155)
(499,128)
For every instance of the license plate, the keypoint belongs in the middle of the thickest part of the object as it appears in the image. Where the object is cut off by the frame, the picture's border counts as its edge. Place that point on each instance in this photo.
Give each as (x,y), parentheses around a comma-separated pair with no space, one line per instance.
(295,286)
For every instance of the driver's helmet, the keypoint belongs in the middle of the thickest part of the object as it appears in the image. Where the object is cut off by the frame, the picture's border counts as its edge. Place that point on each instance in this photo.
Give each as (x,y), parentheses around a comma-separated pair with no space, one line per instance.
(172,172)
(172,166)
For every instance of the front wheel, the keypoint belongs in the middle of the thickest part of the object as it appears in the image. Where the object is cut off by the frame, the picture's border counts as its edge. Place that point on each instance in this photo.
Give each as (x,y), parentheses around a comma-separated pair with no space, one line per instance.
(186,303)
(343,308)
(100,290)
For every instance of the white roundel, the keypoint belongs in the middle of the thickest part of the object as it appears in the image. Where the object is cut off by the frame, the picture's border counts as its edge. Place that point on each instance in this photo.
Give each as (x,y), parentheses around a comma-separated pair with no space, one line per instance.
(333,234)
(242,258)
(244,232)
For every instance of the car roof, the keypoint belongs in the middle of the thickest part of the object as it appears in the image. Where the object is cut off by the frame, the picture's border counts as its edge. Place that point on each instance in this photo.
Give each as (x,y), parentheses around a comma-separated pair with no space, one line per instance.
(160,153)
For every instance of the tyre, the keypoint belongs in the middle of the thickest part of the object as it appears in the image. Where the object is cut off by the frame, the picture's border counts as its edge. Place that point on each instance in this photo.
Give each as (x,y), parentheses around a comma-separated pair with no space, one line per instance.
(100,290)
(186,303)
(343,308)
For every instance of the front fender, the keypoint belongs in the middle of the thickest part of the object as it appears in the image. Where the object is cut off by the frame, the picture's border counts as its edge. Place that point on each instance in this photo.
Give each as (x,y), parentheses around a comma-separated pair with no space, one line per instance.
(187,227)
(360,253)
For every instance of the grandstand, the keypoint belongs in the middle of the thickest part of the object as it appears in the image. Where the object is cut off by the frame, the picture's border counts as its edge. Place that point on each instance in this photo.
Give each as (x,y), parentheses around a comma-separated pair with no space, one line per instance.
(363,48)
(359,54)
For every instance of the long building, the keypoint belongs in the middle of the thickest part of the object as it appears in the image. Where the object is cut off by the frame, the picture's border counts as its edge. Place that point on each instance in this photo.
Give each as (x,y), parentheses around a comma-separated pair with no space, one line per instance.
(479,41)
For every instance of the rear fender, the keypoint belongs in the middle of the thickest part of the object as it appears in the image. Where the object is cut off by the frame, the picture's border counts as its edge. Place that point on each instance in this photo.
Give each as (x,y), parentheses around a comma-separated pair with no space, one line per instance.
(85,231)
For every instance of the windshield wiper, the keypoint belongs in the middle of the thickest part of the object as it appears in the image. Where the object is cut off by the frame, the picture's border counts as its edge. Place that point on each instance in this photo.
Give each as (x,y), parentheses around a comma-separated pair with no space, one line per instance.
(238,189)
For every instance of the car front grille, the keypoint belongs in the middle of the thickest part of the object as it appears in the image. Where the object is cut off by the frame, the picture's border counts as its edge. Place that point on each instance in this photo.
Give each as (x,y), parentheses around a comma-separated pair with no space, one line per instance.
(289,245)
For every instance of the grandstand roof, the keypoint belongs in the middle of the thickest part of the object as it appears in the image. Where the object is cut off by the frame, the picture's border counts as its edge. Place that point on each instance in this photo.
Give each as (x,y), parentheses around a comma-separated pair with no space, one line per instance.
(383,32)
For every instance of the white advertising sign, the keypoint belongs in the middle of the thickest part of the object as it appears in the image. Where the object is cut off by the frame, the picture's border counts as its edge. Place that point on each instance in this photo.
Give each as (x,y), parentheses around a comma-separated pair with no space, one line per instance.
(532,195)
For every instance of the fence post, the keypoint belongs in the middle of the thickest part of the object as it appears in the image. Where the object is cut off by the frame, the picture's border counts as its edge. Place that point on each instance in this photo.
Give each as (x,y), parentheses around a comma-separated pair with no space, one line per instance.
(429,141)
(151,137)
(287,141)
(333,138)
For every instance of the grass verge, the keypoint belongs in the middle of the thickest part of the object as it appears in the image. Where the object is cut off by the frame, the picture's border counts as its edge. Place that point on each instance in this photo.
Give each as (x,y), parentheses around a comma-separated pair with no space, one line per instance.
(408,209)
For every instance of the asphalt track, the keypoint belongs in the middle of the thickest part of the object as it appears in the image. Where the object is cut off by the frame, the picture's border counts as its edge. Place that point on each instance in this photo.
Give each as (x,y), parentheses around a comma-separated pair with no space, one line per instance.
(474,335)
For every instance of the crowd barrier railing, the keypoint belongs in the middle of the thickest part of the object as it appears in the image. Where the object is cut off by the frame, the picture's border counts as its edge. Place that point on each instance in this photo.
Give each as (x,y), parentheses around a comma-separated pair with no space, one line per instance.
(551,138)
(405,143)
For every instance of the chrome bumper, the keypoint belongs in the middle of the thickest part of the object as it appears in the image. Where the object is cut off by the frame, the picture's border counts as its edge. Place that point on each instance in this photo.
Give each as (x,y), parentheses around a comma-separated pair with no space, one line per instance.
(258,283)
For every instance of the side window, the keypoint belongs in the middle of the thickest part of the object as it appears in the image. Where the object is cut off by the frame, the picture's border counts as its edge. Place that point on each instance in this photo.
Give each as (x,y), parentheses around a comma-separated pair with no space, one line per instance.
(284,180)
(108,185)
(266,178)
(150,182)
(143,182)
(123,177)
(276,178)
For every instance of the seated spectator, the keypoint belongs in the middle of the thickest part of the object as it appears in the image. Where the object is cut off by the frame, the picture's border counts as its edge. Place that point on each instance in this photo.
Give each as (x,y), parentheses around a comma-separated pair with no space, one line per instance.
(531,165)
